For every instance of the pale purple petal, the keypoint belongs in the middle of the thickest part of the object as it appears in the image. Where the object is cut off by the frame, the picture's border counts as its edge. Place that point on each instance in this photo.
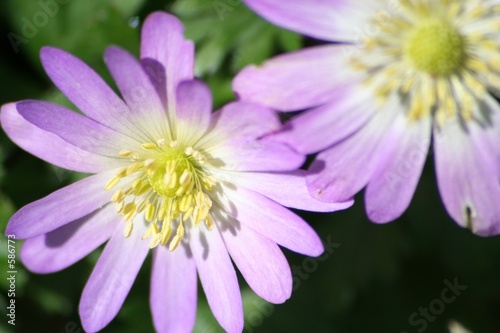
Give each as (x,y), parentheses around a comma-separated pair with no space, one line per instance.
(49,146)
(112,277)
(491,129)
(75,129)
(272,221)
(61,207)
(467,172)
(194,110)
(257,156)
(348,110)
(173,294)
(332,20)
(298,80)
(261,263)
(232,144)
(218,278)
(402,158)
(138,91)
(241,121)
(342,170)
(85,88)
(63,247)
(288,189)
(167,57)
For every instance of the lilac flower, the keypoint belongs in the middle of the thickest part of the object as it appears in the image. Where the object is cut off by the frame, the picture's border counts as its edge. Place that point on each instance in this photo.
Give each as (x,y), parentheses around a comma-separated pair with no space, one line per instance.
(399,73)
(199,188)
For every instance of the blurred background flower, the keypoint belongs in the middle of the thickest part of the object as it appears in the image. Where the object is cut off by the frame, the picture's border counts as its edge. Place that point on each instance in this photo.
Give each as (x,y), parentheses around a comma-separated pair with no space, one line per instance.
(371,279)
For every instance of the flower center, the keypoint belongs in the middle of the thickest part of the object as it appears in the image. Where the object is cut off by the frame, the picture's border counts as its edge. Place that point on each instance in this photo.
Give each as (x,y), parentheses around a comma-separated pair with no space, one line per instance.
(436,47)
(437,57)
(168,184)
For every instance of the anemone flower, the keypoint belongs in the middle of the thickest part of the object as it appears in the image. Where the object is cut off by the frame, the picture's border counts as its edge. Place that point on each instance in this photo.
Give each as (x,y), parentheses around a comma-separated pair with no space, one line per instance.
(398,74)
(196,187)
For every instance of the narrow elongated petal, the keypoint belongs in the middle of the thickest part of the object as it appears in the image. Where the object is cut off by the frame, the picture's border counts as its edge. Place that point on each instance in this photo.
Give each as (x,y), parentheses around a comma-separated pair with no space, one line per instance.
(173,293)
(311,77)
(232,140)
(112,278)
(85,88)
(339,172)
(324,126)
(61,207)
(288,189)
(218,278)
(332,20)
(261,262)
(50,147)
(74,128)
(194,109)
(138,91)
(273,221)
(240,121)
(467,175)
(65,246)
(402,158)
(258,156)
(167,56)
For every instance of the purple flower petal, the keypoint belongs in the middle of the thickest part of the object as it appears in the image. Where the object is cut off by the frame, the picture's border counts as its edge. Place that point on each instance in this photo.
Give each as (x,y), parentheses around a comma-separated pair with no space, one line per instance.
(194,110)
(339,118)
(402,159)
(61,207)
(332,20)
(273,221)
(113,277)
(491,131)
(218,278)
(339,172)
(85,88)
(173,293)
(311,77)
(259,156)
(139,93)
(261,263)
(287,189)
(241,121)
(467,171)
(49,146)
(232,140)
(63,247)
(75,129)
(167,56)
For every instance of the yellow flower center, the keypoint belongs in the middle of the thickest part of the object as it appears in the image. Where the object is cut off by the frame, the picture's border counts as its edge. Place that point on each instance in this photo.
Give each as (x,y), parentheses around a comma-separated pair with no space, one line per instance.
(435,47)
(169,185)
(437,57)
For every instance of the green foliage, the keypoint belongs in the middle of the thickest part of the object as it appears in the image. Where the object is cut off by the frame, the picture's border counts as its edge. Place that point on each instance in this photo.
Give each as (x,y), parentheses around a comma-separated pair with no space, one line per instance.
(236,37)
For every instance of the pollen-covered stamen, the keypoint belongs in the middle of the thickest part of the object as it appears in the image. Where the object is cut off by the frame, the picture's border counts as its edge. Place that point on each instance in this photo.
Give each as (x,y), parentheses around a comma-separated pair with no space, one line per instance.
(440,56)
(168,184)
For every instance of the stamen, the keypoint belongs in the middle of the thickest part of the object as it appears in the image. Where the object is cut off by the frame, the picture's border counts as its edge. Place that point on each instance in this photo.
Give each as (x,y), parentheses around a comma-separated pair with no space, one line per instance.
(169,187)
(149,145)
(437,56)
(125,153)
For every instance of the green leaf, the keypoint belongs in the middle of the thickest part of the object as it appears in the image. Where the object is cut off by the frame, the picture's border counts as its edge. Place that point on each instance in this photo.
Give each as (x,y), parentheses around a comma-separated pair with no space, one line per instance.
(235,36)
(84,28)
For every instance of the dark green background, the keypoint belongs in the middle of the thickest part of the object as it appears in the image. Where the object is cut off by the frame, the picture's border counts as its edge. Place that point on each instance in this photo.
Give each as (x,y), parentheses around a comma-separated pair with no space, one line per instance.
(375,279)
